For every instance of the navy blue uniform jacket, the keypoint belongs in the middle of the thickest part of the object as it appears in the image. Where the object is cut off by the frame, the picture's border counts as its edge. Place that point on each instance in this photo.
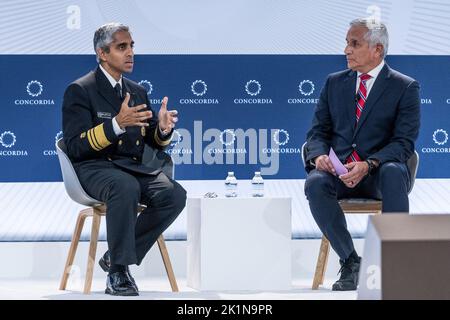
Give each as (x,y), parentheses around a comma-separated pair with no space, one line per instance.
(90,103)
(389,123)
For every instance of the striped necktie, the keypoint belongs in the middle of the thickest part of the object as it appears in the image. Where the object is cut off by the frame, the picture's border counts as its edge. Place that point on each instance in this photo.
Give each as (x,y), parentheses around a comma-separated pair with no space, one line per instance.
(360,102)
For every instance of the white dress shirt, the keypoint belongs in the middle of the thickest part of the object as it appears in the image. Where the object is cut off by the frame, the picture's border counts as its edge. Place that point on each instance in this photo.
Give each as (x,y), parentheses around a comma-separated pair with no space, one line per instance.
(117,130)
(374,74)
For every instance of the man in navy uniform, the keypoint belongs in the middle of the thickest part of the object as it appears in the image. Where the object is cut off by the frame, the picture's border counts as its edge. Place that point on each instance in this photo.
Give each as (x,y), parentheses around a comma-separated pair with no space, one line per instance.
(107,120)
(370,115)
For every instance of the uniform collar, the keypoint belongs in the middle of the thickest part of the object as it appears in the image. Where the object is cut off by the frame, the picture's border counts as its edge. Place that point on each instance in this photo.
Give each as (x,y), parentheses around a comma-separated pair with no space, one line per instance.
(110,77)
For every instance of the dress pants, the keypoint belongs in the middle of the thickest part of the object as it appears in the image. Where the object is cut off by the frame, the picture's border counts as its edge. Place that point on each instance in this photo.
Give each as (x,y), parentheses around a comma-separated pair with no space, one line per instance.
(390,184)
(131,236)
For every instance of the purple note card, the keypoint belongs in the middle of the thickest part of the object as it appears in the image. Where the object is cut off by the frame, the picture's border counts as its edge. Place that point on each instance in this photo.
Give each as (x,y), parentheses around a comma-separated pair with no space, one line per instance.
(337,164)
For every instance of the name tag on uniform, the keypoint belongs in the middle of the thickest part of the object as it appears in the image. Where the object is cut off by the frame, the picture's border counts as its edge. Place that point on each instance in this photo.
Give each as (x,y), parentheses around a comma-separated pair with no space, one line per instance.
(104,115)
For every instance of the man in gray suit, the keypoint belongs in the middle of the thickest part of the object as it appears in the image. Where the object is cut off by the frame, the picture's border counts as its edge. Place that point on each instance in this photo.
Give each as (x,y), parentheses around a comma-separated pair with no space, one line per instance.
(370,115)
(107,121)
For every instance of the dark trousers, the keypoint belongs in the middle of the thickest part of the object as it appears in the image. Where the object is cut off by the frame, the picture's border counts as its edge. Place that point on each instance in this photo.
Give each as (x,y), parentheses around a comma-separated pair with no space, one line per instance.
(390,183)
(130,236)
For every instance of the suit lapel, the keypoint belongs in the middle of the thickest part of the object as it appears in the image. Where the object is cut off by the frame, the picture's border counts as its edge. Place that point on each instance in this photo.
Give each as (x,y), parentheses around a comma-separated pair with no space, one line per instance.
(106,90)
(375,93)
(349,97)
(126,88)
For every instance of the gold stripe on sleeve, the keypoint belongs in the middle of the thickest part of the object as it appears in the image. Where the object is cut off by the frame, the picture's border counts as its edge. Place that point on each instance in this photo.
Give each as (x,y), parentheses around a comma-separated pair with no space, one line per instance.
(91,141)
(99,134)
(158,140)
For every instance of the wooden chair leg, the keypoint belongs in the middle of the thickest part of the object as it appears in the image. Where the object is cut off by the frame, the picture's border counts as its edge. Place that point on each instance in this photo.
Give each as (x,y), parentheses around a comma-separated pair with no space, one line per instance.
(321,265)
(73,246)
(167,263)
(327,254)
(96,219)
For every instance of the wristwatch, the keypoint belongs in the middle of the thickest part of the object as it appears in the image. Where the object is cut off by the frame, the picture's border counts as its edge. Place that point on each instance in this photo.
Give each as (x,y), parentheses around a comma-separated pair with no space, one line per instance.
(372,167)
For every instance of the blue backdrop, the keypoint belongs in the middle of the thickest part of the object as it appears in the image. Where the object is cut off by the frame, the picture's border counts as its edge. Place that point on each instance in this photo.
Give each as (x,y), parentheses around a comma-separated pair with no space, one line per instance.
(255,107)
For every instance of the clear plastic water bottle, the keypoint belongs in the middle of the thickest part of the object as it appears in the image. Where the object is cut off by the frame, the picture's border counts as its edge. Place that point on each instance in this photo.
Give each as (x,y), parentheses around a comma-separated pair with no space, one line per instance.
(231,185)
(257,185)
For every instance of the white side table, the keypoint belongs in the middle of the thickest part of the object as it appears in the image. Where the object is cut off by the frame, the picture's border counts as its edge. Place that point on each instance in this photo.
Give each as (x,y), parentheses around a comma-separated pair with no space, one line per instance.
(239,243)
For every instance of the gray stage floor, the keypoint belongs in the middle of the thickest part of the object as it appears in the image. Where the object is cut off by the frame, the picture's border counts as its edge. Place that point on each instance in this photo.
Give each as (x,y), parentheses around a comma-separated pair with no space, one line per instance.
(159,289)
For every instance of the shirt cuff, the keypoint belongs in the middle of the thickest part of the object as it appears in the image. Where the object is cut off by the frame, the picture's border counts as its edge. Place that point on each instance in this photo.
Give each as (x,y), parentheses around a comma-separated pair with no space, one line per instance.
(163,134)
(117,130)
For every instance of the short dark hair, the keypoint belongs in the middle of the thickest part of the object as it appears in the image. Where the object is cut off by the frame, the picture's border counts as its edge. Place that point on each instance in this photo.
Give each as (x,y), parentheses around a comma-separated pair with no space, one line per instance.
(105,35)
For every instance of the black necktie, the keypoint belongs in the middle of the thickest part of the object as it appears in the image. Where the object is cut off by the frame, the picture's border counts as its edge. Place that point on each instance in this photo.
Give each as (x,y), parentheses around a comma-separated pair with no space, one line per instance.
(118,89)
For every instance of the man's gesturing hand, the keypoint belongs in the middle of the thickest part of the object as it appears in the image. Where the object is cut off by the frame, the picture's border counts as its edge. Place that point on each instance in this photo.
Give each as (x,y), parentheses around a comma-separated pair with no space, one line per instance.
(129,117)
(167,119)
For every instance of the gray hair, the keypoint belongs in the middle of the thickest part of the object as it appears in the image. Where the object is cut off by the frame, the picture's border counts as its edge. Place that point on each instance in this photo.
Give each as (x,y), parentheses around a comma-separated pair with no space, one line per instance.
(377,32)
(104,36)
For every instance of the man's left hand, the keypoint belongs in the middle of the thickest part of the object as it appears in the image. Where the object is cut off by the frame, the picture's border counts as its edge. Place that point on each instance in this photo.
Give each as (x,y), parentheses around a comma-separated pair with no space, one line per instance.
(167,118)
(357,171)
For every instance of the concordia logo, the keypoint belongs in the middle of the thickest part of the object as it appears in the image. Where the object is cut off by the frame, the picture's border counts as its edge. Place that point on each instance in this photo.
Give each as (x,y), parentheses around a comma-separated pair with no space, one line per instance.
(252,88)
(178,138)
(426,101)
(232,146)
(199,89)
(440,138)
(281,138)
(52,152)
(8,140)
(34,89)
(227,138)
(306,89)
(148,86)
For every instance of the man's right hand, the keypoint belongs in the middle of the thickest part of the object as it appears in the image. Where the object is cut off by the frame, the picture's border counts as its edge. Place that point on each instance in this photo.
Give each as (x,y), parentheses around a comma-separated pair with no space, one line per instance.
(129,117)
(323,163)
